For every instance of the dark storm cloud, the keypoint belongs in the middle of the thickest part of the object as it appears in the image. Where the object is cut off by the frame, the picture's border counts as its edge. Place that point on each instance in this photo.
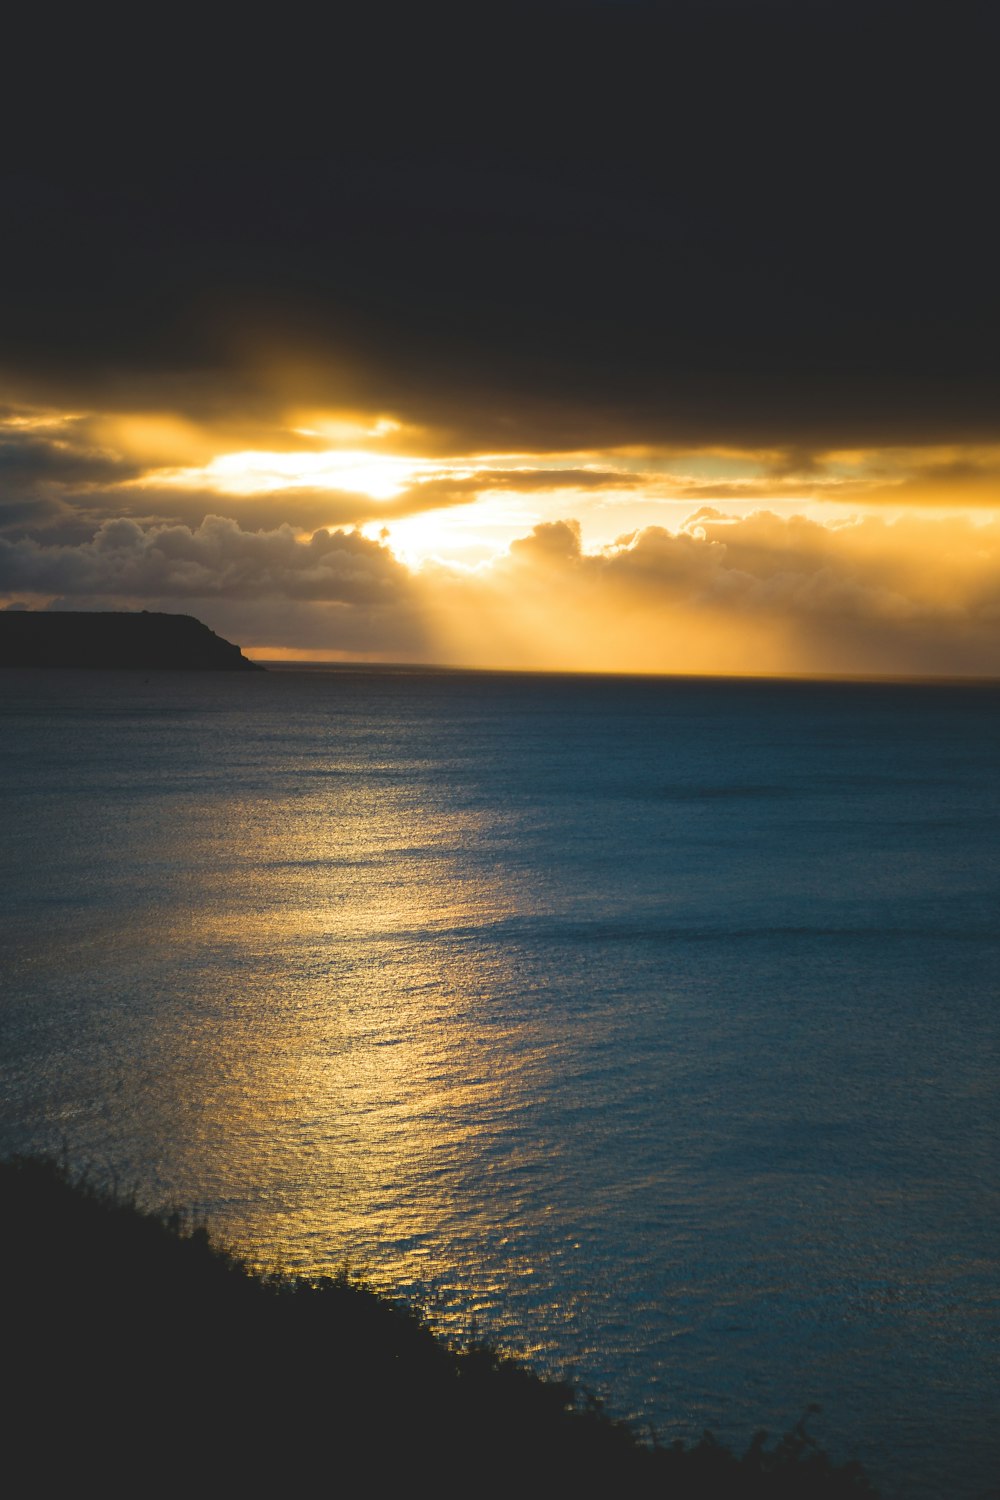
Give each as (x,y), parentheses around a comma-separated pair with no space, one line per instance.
(29,464)
(565,226)
(48,482)
(124,560)
(29,514)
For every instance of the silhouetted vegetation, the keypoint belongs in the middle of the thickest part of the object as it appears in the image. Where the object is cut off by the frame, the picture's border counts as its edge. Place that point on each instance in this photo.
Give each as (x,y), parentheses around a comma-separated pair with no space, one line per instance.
(140,1355)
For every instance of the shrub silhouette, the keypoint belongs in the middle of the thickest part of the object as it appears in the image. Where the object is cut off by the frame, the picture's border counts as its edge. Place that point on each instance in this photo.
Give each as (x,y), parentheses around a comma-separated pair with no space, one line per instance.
(141,1356)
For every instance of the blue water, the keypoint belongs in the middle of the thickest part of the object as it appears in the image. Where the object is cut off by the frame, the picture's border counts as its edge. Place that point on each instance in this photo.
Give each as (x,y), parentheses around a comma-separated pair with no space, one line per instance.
(649,1026)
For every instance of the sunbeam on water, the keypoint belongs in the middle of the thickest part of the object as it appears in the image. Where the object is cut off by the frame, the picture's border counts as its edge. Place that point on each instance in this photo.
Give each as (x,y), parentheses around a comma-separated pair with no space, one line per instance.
(648,1026)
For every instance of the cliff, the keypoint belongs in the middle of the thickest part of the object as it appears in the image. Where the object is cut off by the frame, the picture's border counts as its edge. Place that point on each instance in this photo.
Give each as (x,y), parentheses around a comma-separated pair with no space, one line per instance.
(144,642)
(143,1359)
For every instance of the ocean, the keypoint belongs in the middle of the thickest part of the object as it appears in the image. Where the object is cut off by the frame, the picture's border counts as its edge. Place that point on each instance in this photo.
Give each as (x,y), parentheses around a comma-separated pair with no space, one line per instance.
(647,1026)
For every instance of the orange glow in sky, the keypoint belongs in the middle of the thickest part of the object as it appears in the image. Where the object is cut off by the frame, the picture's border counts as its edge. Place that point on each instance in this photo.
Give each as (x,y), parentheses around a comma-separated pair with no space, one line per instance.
(326,540)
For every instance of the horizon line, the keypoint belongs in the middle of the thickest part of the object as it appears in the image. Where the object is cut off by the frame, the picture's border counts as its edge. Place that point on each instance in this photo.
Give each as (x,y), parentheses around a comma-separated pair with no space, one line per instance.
(307,664)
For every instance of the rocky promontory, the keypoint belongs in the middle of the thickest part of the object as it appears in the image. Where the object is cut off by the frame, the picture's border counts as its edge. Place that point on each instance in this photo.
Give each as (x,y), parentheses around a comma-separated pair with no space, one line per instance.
(144,642)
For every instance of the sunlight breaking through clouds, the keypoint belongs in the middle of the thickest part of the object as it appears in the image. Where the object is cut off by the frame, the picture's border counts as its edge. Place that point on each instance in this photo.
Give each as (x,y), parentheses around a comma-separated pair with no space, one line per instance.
(381,476)
(714,560)
(762,593)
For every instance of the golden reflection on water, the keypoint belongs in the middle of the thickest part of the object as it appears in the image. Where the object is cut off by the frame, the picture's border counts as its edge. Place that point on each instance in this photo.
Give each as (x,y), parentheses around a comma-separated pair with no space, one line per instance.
(616,1063)
(340,1100)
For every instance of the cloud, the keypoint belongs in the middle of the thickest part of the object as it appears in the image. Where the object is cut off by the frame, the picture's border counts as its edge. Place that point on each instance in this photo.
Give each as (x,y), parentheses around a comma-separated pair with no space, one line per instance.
(862,569)
(304,510)
(28,461)
(58,482)
(550,542)
(125,560)
(447,488)
(610,299)
(710,245)
(337,592)
(762,594)
(722,593)
(308,508)
(48,475)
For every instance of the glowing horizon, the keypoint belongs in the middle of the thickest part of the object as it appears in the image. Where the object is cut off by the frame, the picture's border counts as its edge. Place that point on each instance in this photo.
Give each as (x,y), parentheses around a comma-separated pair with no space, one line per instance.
(341,540)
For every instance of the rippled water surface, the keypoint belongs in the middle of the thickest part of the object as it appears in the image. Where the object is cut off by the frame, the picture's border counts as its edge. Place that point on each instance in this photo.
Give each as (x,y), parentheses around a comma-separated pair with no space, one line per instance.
(651,1025)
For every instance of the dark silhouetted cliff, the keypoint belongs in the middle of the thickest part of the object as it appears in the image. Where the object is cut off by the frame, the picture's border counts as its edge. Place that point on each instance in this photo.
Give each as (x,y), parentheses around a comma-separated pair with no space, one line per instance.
(145,642)
(141,1359)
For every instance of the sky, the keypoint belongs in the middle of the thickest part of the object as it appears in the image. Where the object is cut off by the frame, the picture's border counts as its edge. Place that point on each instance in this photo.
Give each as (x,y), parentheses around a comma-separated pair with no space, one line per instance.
(589,336)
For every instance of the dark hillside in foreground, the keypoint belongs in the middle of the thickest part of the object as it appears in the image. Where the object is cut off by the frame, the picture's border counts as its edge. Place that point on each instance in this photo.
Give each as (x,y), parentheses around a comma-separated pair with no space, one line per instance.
(139,1356)
(143,642)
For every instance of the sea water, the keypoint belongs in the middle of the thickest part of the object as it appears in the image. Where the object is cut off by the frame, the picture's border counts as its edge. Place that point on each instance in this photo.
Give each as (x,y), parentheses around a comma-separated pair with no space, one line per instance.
(646,1026)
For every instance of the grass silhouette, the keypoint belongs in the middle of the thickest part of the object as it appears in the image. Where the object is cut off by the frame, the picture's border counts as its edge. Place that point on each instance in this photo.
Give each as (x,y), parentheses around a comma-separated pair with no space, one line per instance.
(142,1357)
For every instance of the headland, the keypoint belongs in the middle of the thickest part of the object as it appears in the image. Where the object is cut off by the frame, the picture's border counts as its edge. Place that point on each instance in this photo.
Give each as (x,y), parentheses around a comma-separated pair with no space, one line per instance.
(141,641)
